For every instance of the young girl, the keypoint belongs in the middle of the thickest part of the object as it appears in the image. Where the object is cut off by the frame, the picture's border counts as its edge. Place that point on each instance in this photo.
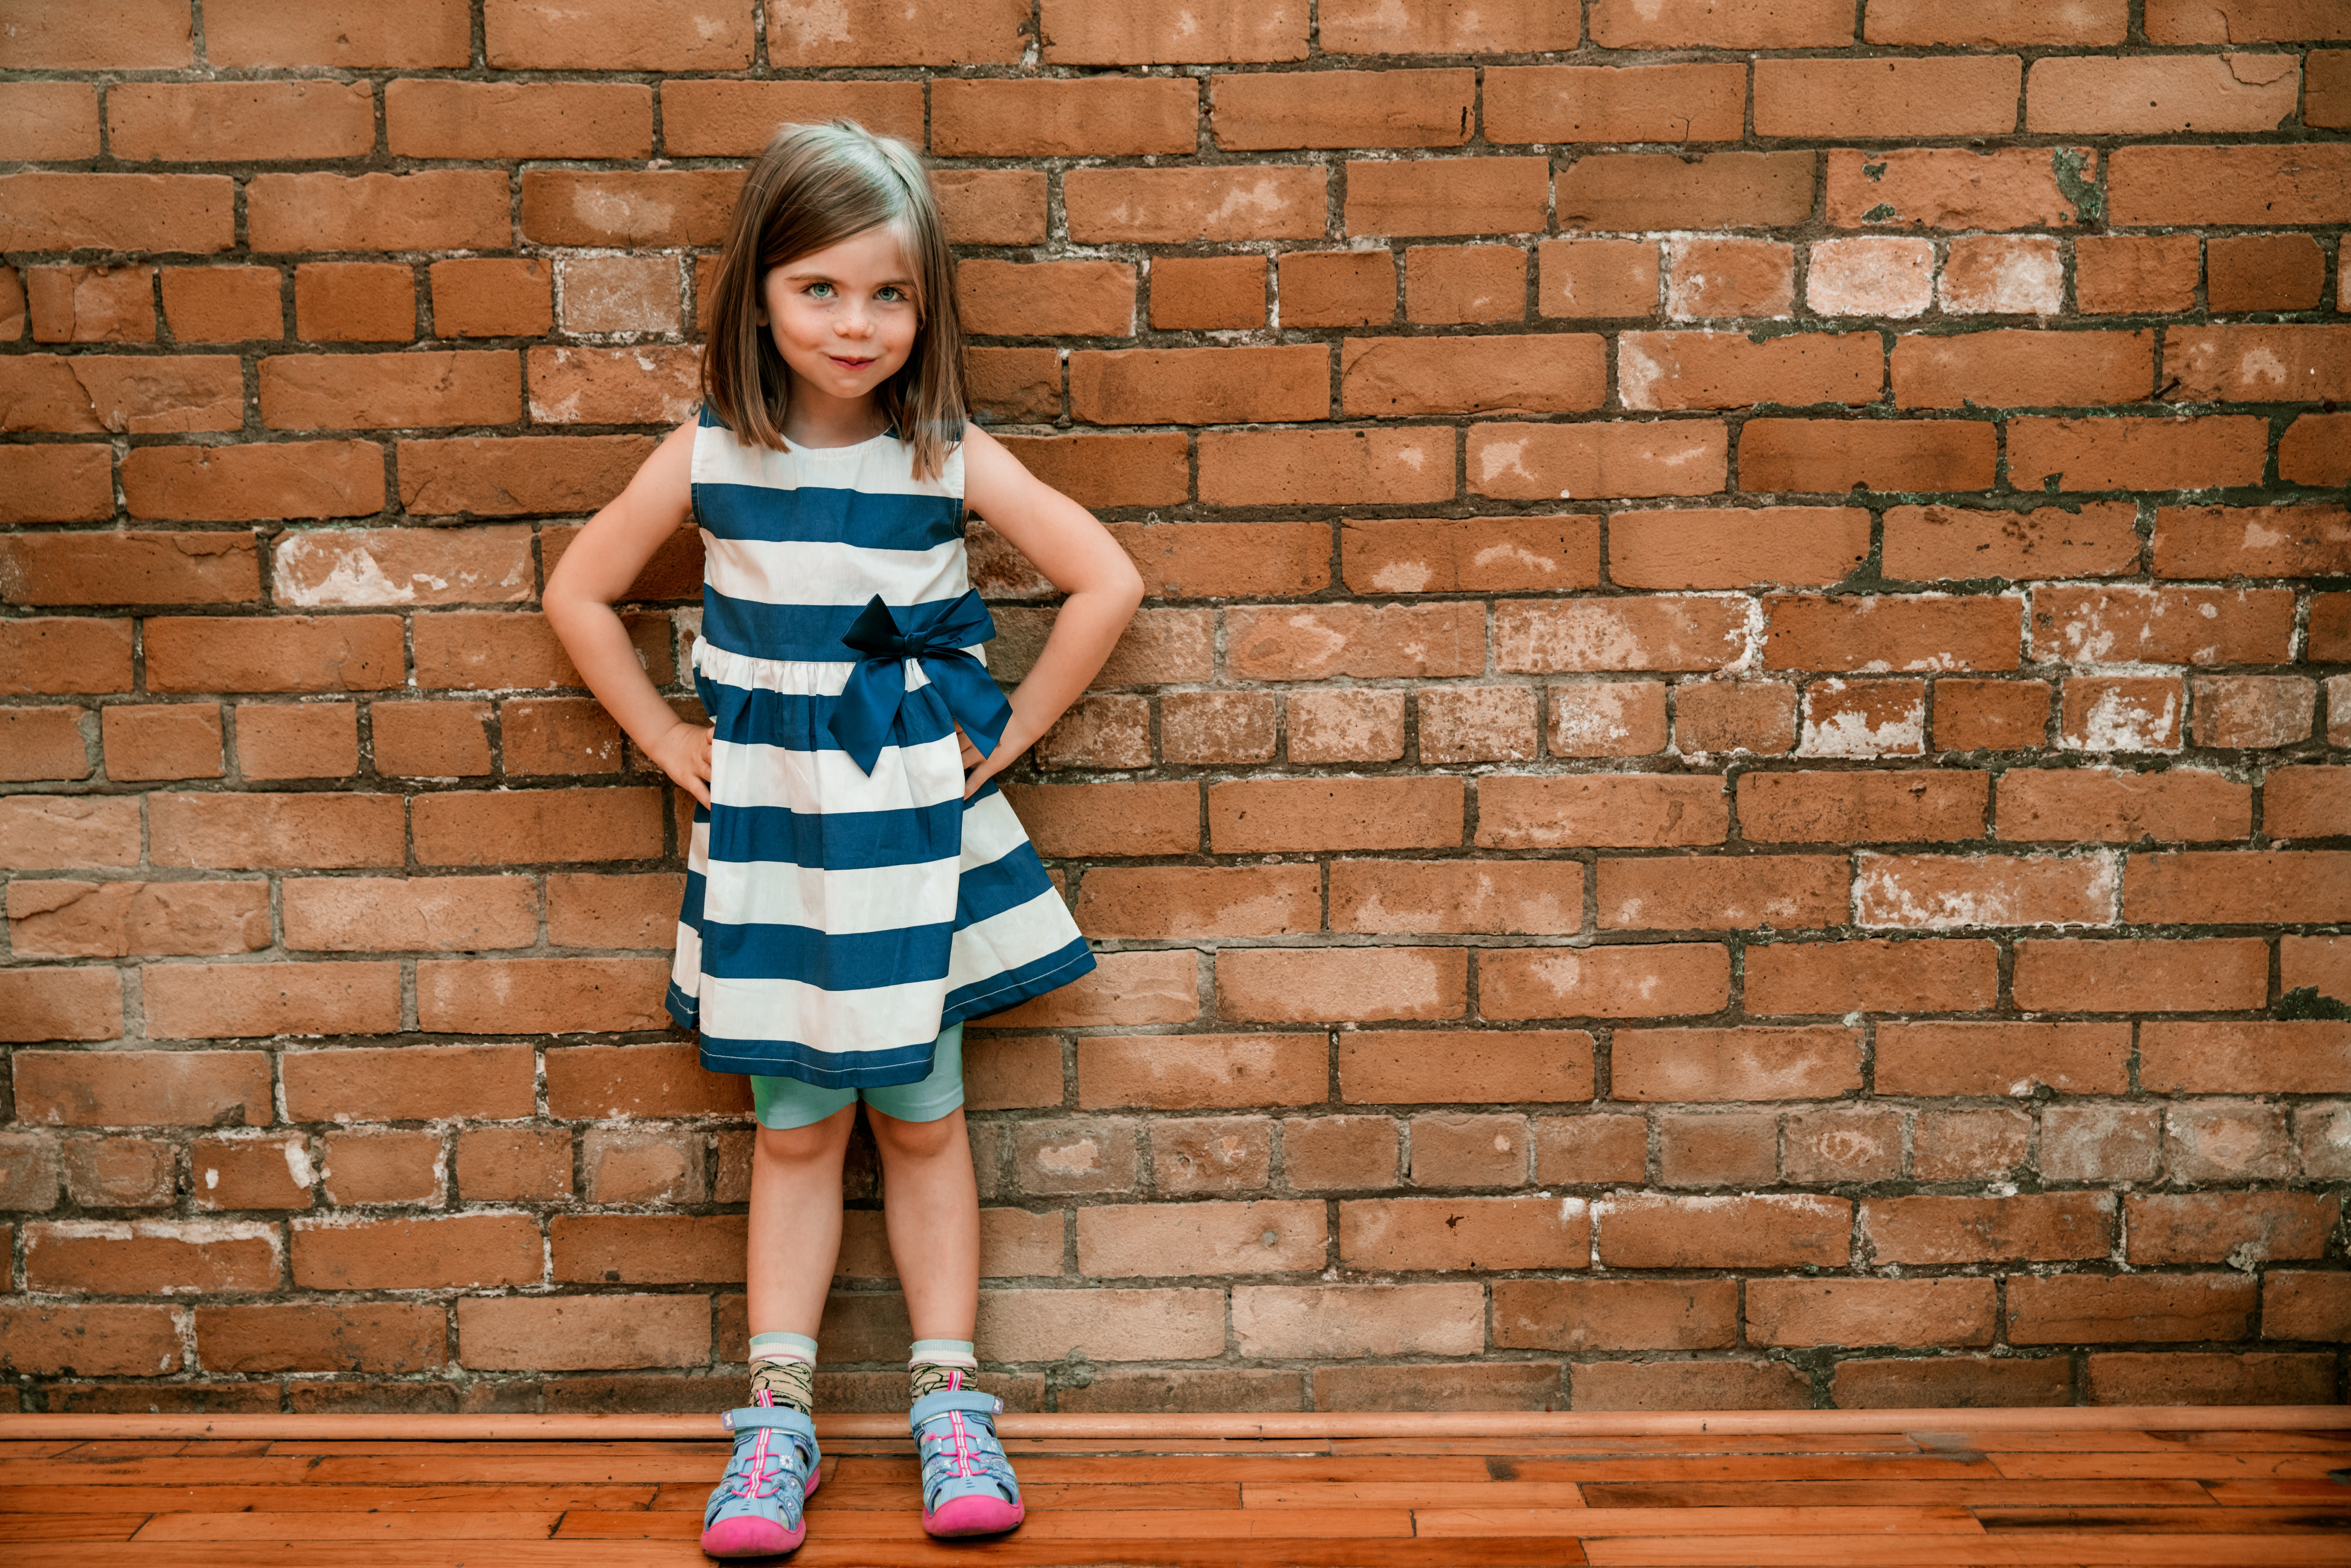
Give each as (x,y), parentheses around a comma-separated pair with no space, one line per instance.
(856,886)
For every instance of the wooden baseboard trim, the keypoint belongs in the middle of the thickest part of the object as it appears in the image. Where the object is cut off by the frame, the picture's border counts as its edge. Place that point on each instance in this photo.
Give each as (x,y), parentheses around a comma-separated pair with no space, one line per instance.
(1146,1429)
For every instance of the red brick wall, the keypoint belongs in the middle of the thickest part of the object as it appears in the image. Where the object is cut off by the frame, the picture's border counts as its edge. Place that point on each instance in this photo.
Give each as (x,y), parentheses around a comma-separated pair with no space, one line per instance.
(1732,791)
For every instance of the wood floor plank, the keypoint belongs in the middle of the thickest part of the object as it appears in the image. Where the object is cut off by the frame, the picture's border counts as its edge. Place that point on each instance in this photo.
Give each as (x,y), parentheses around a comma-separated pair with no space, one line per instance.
(1237,1469)
(69,1527)
(718,1447)
(154,1471)
(1662,1446)
(1013,1551)
(318,1500)
(2055,1549)
(2119,1442)
(1752,1467)
(2174,1521)
(1116,1528)
(1596,1524)
(367,1554)
(426,1524)
(393,1470)
(1041,1496)
(1411,1494)
(2264,1493)
(2189,1465)
(29,1448)
(1991,1491)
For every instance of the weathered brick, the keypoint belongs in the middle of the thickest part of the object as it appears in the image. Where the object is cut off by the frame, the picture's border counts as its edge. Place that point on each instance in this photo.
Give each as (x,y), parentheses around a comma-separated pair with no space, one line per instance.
(2030,1227)
(1953,188)
(1172,206)
(2237,1227)
(256,831)
(190,214)
(1649,1231)
(2142,976)
(1340,109)
(268,480)
(1448,196)
(1274,985)
(195,1001)
(1833,456)
(1078,34)
(152,1256)
(1383,1067)
(1293,467)
(1871,976)
(1871,100)
(1713,893)
(337,33)
(1201,386)
(1795,1312)
(1169,1239)
(1653,191)
(1396,378)
(1526,811)
(1736,25)
(1644,980)
(1928,892)
(1695,102)
(1452,1233)
(1351,1320)
(1675,1065)
(1558,461)
(1208,291)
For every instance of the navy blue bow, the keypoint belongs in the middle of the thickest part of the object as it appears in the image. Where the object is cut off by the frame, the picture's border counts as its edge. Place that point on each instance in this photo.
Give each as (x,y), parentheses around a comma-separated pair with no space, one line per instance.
(940,638)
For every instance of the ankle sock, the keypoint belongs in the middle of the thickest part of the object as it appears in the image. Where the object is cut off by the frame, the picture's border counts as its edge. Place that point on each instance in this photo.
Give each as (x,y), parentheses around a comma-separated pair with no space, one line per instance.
(935,1364)
(783,1367)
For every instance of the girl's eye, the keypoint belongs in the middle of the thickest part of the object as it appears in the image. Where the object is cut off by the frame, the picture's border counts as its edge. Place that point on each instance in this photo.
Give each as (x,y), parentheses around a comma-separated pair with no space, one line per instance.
(821,290)
(892,294)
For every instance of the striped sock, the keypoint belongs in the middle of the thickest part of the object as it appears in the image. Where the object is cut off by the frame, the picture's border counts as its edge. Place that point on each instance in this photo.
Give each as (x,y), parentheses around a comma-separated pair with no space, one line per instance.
(935,1364)
(783,1367)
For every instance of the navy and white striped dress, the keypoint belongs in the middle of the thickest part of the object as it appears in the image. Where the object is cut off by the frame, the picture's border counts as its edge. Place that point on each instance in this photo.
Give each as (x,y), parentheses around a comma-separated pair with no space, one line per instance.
(837,918)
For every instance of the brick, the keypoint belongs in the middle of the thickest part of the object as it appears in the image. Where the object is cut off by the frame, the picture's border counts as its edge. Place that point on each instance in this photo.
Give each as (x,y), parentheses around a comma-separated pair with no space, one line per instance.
(152,1256)
(288,740)
(2254,362)
(1871,276)
(391,1337)
(1074,1156)
(1647,1231)
(203,122)
(1272,984)
(383,1168)
(1728,277)
(2161,625)
(113,34)
(1614,1314)
(68,833)
(2252,541)
(2142,976)
(43,743)
(2227,1143)
(658,208)
(2253,711)
(1337,287)
(1628,809)
(1077,34)
(1925,632)
(1382,1067)
(603,1081)
(2303,803)
(706,117)
(2241,21)
(61,1004)
(1606,718)
(1103,1324)
(1871,976)
(119,1173)
(54,483)
(2244,888)
(1015,384)
(1953,188)
(1649,633)
(1991,716)
(443,119)
(379,567)
(337,33)
(251,1174)
(1842,1144)
(1450,1233)
(1972,1382)
(2013,368)
(539,996)
(1864,718)
(49,121)
(1684,103)
(1328,1153)
(1139,470)
(490,828)
(1217,727)
(2306,1306)
(1993,22)
(1152,818)
(139,213)
(2307,1056)
(1868,99)
(611,386)
(28,1171)
(2190,1378)
(510,475)
(1261,815)
(274,653)
(572,1332)
(1340,109)
(2211,186)
(642,1165)
(1191,293)
(1180,901)
(2326,93)
(1710,893)
(2002,1058)
(431,740)
(889,32)
(89,393)
(1212,1070)
(1555,462)
(2109,806)
(1597,277)
(222,304)
(1313,642)
(1173,206)
(474,1250)
(1066,298)
(589,911)
(1345,726)
(1201,386)
(1722,547)
(89,1342)
(391,914)
(1483,896)
(1736,1149)
(530,34)
(1653,191)
(1716,1064)
(1492,195)
(1223,1153)
(277,480)
(987,206)
(1644,980)
(1400,377)
(2263,272)
(491,297)
(424,1082)
(2161,95)
(2136,273)
(1722,24)
(1970,1146)
(2236,1228)
(354,301)
(130,567)
(1169,1239)
(1457,283)
(1855,1312)
(1734,715)
(1945,543)
(143,1088)
(2032,1228)
(346,391)
(1941,892)
(1419,27)
(91,304)
(1806,455)
(1349,1320)
(510,1164)
(1126,989)
(188,1001)
(2323,962)
(445,209)
(1684,1384)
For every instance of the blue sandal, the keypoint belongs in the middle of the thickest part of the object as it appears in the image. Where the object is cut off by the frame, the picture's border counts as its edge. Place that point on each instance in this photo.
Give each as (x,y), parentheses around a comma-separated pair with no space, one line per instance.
(754,1510)
(967,1483)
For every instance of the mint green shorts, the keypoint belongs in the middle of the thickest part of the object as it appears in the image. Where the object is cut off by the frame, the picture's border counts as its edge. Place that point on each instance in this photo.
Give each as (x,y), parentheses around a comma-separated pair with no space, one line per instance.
(787,1102)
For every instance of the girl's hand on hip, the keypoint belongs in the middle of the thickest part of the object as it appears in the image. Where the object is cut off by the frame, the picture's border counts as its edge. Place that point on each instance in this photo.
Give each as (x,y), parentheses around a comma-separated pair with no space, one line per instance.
(682,751)
(977,769)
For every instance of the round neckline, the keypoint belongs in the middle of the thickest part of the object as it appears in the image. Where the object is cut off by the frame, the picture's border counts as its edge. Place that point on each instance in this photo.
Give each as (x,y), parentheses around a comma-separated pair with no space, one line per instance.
(888,432)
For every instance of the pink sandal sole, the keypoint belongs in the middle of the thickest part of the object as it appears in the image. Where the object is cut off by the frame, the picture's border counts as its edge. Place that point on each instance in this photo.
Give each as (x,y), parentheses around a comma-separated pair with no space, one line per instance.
(758,1537)
(974,1516)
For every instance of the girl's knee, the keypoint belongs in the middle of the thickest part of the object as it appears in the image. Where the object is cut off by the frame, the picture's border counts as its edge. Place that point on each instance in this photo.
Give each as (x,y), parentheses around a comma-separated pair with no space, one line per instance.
(916,1140)
(801,1145)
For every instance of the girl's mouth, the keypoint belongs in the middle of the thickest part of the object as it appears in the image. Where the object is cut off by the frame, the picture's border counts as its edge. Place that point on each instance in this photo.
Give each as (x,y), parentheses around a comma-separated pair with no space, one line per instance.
(848,363)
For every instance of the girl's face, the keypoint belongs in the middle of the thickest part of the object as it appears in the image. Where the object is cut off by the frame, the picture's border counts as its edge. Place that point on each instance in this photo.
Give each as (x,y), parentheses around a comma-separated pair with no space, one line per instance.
(843,317)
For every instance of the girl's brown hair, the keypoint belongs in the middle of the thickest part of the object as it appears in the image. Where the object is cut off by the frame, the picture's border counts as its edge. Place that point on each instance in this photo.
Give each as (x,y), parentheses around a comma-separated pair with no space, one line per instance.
(814,187)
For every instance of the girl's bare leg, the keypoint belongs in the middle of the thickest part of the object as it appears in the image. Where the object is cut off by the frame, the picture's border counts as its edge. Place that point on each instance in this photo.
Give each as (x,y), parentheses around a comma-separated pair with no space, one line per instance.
(795,1222)
(931,1209)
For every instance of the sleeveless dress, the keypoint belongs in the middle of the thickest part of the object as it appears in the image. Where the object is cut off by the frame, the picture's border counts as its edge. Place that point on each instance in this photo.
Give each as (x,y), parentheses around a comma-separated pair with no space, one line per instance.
(843,902)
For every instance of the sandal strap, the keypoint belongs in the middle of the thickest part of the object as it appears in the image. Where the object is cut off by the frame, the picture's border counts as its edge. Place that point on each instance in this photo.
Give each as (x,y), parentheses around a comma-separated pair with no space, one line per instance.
(970,1401)
(781,1418)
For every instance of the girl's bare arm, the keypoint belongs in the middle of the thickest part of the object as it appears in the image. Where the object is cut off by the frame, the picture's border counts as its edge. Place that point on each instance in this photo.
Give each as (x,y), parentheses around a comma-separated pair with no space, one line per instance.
(1079,556)
(596,571)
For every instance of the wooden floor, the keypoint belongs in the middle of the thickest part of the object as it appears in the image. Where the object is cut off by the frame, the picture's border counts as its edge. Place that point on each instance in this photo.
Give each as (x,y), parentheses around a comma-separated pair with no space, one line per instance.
(2146,1499)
